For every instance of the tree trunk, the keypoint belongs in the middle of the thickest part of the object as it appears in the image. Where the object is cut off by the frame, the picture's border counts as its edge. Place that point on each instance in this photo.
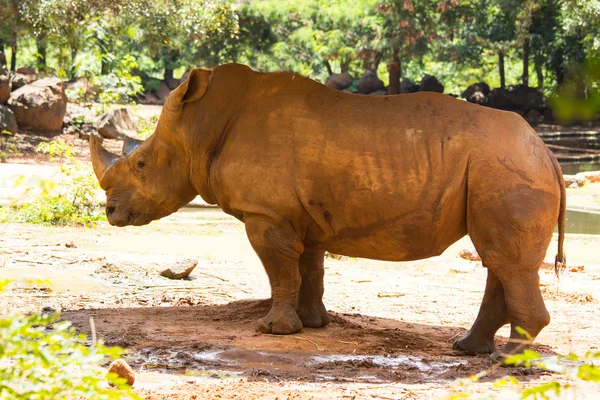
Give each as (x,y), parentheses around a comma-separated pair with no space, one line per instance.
(538,60)
(328,66)
(168,74)
(13,56)
(41,49)
(526,63)
(73,68)
(501,69)
(395,70)
(345,66)
(105,68)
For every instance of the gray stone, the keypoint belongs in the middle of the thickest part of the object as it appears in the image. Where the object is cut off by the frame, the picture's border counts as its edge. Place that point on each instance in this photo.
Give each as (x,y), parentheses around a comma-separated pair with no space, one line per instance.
(8,121)
(369,83)
(339,81)
(116,124)
(574,181)
(408,86)
(179,270)
(429,83)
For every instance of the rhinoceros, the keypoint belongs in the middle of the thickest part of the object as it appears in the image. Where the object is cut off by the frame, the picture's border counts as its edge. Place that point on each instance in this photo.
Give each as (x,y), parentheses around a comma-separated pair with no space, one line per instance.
(309,169)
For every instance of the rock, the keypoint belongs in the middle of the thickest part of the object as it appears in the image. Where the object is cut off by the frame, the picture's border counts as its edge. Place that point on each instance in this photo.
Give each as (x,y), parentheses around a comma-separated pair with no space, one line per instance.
(4,88)
(517,98)
(590,176)
(469,254)
(172,83)
(339,81)
(429,83)
(40,106)
(115,124)
(149,98)
(369,83)
(534,116)
(574,181)
(381,92)
(184,77)
(476,93)
(180,269)
(578,268)
(408,86)
(26,70)
(8,121)
(163,92)
(18,80)
(123,370)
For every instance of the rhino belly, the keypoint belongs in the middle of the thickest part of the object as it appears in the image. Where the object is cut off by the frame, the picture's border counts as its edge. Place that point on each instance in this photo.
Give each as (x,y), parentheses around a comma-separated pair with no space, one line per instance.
(397,239)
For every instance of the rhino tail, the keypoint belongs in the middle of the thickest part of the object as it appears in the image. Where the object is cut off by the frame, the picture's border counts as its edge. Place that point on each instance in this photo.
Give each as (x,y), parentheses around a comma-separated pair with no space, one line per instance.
(560,262)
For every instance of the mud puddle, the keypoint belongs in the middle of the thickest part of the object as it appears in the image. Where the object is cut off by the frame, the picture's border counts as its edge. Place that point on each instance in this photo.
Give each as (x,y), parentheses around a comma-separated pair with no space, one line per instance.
(237,362)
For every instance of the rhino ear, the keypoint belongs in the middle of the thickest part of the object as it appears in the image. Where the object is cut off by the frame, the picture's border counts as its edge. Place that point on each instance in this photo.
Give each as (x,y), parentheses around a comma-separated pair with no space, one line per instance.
(191,89)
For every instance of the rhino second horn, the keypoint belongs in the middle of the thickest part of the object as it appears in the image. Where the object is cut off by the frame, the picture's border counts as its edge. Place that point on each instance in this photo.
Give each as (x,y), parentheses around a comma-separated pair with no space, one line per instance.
(101,158)
(129,145)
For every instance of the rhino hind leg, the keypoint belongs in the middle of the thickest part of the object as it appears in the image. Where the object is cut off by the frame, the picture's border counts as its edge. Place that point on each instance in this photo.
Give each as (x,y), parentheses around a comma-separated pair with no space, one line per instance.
(511,233)
(492,316)
(279,249)
(311,310)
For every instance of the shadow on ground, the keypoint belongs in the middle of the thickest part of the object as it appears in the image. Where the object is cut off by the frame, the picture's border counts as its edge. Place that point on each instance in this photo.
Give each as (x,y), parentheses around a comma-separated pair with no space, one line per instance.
(220,340)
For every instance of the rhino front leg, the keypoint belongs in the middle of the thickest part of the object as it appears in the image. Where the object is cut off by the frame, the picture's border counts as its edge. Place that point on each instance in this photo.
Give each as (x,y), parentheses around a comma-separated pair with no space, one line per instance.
(311,310)
(279,248)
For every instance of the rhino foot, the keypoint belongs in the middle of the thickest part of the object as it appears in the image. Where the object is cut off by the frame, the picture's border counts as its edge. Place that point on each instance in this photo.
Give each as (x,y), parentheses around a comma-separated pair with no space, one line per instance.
(281,320)
(473,345)
(313,316)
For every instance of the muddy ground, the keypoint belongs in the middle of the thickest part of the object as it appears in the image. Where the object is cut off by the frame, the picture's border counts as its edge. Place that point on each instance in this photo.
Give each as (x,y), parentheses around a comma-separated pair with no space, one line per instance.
(392,327)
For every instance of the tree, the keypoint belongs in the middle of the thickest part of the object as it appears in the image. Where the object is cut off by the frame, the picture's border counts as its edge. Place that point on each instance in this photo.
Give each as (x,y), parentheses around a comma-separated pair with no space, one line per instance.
(174,30)
(319,37)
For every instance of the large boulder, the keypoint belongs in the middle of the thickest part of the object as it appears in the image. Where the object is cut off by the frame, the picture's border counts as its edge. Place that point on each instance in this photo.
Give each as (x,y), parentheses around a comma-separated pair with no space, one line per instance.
(429,83)
(476,93)
(339,81)
(8,121)
(4,87)
(517,98)
(163,92)
(172,83)
(18,80)
(408,86)
(40,106)
(369,83)
(115,124)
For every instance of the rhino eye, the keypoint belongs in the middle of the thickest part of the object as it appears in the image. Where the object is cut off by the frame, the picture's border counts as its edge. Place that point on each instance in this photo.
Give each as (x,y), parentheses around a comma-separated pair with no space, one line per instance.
(140,164)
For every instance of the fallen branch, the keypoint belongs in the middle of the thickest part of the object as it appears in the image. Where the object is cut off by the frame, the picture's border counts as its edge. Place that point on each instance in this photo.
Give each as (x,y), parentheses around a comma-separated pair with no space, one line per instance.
(308,340)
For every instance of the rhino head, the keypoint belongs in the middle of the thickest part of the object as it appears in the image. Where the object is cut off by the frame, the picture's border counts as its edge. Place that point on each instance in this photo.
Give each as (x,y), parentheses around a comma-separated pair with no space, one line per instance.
(151,179)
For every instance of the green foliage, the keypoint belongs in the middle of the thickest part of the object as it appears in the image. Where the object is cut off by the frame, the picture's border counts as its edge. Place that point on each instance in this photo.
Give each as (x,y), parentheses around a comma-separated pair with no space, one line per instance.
(570,366)
(120,85)
(43,359)
(147,126)
(71,200)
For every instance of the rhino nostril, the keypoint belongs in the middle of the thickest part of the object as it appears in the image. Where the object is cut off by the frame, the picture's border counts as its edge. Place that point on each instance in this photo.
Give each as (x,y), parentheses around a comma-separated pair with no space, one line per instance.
(110,210)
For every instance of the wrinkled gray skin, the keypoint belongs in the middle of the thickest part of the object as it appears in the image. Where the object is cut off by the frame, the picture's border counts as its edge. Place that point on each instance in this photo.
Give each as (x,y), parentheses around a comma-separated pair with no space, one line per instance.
(309,169)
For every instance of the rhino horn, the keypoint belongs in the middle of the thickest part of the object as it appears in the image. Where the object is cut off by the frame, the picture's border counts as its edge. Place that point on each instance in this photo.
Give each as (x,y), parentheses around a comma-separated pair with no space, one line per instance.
(129,145)
(101,158)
